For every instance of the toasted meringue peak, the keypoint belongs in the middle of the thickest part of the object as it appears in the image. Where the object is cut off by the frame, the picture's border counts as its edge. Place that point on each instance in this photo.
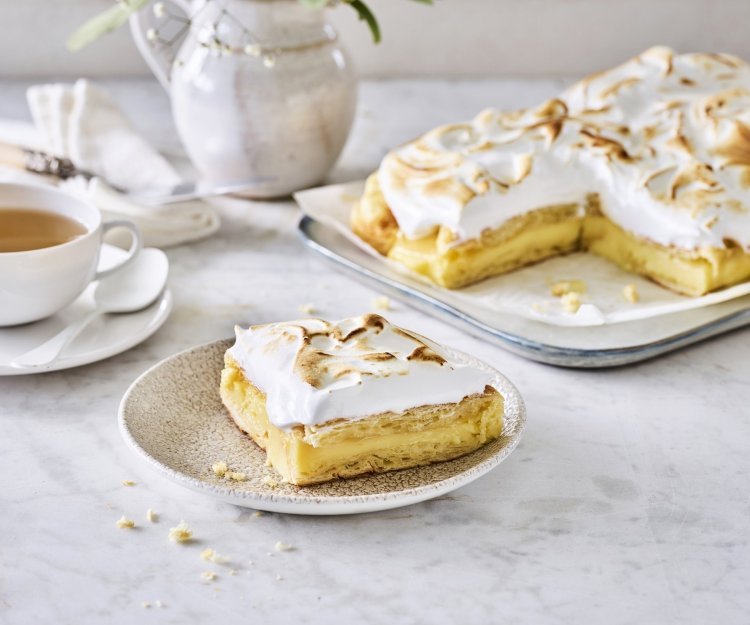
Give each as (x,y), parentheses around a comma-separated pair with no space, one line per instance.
(314,371)
(663,139)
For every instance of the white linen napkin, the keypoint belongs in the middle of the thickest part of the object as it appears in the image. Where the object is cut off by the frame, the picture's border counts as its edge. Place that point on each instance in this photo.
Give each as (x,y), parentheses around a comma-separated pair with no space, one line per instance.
(81,122)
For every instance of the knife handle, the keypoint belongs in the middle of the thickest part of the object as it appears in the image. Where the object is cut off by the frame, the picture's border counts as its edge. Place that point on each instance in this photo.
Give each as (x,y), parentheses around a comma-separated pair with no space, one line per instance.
(36,161)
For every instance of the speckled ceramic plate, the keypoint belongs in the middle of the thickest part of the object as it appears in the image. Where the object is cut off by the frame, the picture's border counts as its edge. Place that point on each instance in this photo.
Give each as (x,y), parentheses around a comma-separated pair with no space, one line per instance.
(173,418)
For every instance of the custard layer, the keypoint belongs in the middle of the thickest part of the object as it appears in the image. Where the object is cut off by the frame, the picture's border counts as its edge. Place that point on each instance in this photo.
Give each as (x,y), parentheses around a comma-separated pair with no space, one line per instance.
(384,442)
(540,234)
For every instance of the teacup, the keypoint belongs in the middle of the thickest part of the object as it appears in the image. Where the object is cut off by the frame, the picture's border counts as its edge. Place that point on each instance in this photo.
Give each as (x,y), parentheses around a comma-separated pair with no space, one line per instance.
(36,283)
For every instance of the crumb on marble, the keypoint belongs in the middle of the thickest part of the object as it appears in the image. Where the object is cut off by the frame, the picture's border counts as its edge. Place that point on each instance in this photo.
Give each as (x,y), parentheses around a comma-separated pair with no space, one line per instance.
(233,572)
(158,604)
(279,578)
(211,556)
(308,309)
(209,575)
(125,523)
(220,468)
(571,302)
(151,516)
(181,533)
(128,483)
(563,287)
(145,604)
(630,293)
(382,302)
(282,546)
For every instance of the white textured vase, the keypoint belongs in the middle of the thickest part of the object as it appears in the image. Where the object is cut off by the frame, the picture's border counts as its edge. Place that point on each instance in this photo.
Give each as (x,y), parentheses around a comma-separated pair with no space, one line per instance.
(258,88)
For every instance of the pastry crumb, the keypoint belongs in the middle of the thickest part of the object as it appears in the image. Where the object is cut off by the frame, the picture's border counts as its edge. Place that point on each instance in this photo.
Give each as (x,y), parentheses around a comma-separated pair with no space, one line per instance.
(158,604)
(279,578)
(208,554)
(308,309)
(128,483)
(125,523)
(571,302)
(563,287)
(251,563)
(233,572)
(151,516)
(181,533)
(208,575)
(382,303)
(630,293)
(269,481)
(281,546)
(220,468)
(145,604)
(211,556)
(258,513)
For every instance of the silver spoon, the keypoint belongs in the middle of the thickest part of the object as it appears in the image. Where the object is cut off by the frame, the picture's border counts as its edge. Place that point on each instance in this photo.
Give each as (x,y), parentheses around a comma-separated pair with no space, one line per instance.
(132,288)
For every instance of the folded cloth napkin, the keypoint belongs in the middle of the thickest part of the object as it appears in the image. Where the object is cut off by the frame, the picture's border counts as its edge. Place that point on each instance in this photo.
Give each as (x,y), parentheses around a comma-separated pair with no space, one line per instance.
(81,122)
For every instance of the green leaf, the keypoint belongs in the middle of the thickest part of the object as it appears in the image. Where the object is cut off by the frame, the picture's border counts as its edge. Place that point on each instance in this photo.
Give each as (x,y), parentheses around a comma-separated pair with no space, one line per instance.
(364,13)
(105,22)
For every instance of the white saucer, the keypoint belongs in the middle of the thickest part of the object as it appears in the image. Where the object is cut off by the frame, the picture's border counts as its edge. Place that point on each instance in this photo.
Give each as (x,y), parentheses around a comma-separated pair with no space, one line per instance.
(172,416)
(104,337)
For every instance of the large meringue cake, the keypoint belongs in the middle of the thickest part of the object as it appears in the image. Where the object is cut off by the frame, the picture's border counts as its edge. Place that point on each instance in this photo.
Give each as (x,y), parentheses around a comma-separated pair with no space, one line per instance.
(647,164)
(328,400)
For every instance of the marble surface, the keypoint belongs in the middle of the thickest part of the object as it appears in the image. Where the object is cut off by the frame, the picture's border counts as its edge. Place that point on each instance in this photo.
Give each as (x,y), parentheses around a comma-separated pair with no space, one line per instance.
(626,502)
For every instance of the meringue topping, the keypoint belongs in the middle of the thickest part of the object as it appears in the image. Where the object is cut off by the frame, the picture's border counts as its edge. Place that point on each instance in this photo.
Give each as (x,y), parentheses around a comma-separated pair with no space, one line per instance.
(314,371)
(663,139)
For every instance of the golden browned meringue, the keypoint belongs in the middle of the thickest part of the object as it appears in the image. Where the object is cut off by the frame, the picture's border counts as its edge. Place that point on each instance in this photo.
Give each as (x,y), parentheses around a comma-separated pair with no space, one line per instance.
(663,140)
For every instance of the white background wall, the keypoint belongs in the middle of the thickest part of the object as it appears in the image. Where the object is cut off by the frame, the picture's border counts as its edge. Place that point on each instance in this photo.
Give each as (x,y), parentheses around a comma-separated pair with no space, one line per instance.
(453,38)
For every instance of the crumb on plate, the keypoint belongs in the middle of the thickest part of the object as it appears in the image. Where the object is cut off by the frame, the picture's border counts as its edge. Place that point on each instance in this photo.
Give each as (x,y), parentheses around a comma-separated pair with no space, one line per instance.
(563,287)
(219,468)
(571,302)
(630,293)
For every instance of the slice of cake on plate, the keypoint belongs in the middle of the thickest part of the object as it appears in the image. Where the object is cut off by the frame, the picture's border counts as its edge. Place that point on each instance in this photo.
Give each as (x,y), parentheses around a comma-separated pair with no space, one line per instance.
(646,164)
(361,395)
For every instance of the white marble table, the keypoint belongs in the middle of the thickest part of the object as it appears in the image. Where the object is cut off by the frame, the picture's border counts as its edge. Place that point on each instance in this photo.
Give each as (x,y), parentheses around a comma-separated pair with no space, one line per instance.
(627,501)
